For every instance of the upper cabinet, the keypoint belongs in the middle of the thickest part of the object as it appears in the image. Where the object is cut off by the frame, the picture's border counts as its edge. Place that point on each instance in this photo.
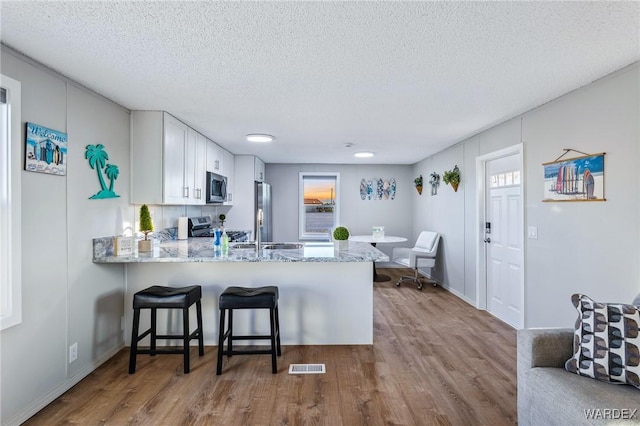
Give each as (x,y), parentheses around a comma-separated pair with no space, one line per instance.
(259,170)
(168,160)
(196,169)
(174,148)
(228,170)
(214,157)
(248,169)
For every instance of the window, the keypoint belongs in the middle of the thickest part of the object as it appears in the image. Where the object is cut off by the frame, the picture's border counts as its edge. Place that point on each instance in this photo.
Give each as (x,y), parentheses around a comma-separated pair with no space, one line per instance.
(10,223)
(319,205)
(499,180)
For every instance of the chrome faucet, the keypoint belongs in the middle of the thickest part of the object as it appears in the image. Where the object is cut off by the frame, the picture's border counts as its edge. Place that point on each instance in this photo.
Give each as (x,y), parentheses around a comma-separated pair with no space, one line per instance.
(259,219)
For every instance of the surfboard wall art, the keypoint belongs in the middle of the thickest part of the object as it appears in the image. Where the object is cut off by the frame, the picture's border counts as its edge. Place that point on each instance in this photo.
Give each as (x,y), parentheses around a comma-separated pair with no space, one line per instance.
(377,188)
(575,179)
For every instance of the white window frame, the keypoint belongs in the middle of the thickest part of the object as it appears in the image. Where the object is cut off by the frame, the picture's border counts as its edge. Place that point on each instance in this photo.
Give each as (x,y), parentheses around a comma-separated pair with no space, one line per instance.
(302,235)
(10,205)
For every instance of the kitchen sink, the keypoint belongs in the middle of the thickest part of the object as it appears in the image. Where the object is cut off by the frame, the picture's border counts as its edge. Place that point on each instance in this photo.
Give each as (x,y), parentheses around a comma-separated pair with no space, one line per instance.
(268,246)
(282,246)
(242,246)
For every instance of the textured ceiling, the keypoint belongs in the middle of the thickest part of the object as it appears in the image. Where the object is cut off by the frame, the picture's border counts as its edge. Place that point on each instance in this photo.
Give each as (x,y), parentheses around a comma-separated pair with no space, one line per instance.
(402,79)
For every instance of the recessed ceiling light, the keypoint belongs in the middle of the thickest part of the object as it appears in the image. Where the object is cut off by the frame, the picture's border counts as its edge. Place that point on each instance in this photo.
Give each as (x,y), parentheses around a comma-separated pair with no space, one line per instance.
(363,154)
(259,137)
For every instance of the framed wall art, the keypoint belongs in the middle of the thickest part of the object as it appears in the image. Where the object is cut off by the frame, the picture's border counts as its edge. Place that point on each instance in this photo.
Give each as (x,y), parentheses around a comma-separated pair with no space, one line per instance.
(574,179)
(45,150)
(378,189)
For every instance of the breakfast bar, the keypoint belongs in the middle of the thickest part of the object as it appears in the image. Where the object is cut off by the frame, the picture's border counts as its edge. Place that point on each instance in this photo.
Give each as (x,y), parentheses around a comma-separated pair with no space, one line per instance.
(326,289)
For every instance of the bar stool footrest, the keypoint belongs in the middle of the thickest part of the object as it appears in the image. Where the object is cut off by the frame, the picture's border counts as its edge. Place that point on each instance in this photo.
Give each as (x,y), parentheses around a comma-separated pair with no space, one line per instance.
(161,351)
(258,337)
(192,336)
(248,352)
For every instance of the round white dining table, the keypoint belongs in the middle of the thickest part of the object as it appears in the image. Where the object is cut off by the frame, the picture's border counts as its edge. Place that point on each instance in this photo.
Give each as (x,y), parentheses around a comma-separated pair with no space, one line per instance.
(387,239)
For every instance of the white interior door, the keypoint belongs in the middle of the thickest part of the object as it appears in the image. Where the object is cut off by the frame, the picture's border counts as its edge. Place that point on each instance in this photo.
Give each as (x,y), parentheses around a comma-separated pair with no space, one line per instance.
(504,239)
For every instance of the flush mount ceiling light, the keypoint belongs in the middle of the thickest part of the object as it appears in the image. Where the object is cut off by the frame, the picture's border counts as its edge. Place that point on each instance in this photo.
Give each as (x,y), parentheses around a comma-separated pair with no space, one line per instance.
(259,137)
(364,154)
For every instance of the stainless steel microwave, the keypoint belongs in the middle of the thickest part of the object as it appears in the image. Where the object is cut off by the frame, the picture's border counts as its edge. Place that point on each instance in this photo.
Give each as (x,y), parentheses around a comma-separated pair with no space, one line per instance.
(216,188)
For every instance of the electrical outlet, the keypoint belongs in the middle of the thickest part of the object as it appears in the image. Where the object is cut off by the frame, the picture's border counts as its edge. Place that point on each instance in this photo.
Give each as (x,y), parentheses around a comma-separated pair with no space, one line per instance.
(73,352)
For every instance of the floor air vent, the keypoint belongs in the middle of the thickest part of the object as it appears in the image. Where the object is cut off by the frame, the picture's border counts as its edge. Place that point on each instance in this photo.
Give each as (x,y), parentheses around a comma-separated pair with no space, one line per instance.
(307,369)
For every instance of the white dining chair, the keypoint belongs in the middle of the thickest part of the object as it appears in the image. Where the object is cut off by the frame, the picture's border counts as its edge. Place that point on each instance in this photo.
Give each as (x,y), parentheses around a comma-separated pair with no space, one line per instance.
(422,255)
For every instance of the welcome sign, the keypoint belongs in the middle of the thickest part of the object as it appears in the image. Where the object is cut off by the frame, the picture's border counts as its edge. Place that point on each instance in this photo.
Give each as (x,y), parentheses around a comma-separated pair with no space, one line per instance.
(46,150)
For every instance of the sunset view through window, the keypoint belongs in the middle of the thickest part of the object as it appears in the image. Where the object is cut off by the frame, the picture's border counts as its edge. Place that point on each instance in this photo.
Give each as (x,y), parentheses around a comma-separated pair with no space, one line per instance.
(319,205)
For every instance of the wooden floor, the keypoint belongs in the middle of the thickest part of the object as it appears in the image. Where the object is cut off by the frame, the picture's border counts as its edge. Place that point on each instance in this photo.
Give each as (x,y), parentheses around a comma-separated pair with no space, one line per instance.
(435,361)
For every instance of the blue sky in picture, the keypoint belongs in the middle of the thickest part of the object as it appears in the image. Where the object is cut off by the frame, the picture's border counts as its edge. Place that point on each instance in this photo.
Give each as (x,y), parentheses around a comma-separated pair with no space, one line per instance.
(595,164)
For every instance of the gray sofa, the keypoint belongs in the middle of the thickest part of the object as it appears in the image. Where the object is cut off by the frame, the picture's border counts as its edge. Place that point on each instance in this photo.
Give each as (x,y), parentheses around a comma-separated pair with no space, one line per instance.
(550,395)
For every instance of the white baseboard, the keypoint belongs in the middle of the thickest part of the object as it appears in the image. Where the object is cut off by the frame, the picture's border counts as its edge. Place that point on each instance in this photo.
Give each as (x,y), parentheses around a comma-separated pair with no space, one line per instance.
(449,289)
(70,382)
(458,295)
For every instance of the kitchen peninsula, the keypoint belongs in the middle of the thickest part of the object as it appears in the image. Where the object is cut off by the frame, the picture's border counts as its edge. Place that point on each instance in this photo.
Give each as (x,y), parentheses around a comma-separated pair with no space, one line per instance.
(326,289)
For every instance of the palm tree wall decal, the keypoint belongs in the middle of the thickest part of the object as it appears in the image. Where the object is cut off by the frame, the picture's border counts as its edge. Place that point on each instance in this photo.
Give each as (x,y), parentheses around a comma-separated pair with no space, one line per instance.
(112,172)
(98,157)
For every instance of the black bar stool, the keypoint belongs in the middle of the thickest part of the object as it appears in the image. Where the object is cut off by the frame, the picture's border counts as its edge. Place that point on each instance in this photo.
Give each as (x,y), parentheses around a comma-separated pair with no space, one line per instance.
(249,298)
(158,297)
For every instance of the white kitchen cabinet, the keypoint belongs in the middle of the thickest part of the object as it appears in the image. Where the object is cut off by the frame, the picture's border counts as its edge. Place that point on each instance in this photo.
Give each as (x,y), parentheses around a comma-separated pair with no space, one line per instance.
(248,169)
(165,168)
(228,170)
(175,155)
(259,170)
(214,157)
(197,172)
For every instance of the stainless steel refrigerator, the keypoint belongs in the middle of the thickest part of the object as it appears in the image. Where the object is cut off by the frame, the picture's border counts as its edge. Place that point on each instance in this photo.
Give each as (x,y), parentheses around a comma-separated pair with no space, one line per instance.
(263,201)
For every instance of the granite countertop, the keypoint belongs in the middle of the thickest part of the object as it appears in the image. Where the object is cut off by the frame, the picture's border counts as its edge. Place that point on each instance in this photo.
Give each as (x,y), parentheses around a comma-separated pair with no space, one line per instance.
(201,250)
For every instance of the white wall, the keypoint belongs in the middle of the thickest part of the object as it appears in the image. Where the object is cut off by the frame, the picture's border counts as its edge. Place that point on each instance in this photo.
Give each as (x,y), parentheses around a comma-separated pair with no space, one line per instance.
(592,248)
(444,213)
(356,214)
(66,298)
